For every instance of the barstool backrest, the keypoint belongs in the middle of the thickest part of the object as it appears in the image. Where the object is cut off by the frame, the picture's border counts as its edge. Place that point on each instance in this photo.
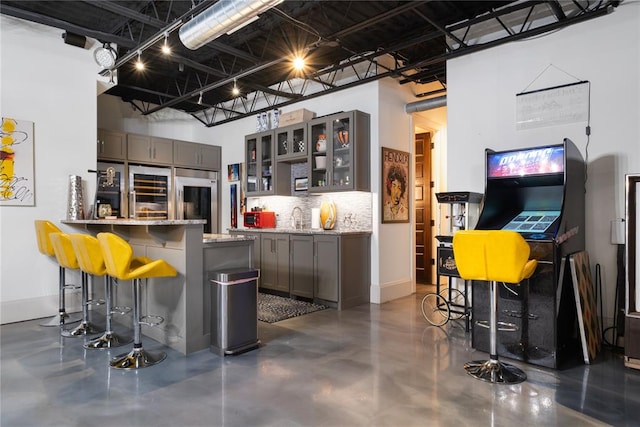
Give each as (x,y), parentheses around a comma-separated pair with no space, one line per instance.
(492,255)
(63,250)
(43,229)
(117,254)
(89,254)
(121,264)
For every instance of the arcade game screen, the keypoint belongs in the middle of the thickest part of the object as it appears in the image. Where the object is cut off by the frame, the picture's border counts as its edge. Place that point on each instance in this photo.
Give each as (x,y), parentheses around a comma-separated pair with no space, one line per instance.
(532,221)
(535,161)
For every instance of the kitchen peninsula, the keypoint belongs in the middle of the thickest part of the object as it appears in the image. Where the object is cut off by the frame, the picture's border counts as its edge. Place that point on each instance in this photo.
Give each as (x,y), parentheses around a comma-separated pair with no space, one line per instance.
(183,301)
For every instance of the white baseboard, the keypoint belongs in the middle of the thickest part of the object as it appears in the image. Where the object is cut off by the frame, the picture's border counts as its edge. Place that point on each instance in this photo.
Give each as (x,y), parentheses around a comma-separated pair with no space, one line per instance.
(393,290)
(37,308)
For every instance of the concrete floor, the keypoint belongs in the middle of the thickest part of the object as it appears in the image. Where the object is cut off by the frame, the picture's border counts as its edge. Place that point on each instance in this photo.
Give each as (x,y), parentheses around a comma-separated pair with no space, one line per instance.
(371,365)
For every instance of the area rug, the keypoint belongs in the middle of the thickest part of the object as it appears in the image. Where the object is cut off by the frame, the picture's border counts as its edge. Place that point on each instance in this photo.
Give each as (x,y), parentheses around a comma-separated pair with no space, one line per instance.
(272,308)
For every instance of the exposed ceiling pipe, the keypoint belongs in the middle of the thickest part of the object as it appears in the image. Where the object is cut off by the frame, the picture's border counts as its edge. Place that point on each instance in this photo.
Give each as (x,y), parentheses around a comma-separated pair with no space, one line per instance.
(223,17)
(426,104)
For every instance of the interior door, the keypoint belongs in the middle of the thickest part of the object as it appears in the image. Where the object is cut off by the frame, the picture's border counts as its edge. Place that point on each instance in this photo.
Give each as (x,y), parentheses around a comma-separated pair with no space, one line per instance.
(422,203)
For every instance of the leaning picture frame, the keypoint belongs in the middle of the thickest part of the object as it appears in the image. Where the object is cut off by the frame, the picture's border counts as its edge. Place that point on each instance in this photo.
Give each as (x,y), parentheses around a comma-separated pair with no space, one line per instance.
(396,203)
(301,184)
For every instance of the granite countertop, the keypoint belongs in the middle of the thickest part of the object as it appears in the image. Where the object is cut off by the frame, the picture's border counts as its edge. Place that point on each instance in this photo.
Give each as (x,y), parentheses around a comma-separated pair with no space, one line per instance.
(298,231)
(216,238)
(127,221)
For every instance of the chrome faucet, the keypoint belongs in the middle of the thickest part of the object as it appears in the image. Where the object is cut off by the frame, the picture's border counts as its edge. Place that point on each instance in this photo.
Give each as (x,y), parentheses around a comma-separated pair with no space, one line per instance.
(296,218)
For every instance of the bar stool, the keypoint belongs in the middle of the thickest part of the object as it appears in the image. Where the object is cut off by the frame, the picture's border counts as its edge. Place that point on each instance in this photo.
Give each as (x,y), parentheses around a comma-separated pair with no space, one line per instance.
(43,230)
(66,257)
(91,261)
(120,263)
(494,256)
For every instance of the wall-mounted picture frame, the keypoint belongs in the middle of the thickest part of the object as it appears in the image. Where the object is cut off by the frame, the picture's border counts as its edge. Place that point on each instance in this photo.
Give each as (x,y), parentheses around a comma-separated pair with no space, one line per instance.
(395,185)
(301,184)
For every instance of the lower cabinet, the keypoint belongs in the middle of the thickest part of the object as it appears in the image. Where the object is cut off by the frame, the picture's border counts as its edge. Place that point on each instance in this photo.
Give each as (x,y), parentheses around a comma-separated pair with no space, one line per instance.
(302,266)
(274,262)
(331,269)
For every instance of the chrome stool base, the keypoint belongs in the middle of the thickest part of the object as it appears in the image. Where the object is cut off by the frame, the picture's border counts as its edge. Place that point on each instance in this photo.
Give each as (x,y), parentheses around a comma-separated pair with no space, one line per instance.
(137,358)
(84,328)
(494,371)
(107,340)
(61,319)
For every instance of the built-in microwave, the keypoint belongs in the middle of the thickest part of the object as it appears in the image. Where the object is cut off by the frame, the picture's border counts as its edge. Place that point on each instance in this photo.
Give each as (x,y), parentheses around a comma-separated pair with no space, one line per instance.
(197,197)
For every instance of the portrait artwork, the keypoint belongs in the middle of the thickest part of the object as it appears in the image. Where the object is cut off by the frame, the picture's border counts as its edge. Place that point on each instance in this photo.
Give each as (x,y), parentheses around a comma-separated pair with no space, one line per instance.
(395,186)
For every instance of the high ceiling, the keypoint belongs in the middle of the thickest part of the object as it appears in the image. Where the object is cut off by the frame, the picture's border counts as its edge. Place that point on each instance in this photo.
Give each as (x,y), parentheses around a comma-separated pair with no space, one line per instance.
(345,43)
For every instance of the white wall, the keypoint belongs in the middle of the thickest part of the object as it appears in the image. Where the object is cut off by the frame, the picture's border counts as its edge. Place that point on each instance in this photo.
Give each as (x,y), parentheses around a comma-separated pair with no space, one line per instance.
(59,96)
(481,98)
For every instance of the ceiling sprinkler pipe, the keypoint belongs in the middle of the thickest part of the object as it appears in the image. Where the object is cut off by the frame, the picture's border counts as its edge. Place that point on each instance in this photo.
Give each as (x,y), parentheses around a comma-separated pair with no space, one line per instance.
(223,17)
(426,104)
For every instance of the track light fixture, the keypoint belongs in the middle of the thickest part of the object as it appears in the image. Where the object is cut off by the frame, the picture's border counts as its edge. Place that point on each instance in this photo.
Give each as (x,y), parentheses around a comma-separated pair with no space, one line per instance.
(166,49)
(200,99)
(235,91)
(139,63)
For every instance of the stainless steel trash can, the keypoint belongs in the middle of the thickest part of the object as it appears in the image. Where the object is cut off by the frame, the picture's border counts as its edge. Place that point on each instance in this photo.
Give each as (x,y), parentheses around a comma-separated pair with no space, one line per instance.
(234,310)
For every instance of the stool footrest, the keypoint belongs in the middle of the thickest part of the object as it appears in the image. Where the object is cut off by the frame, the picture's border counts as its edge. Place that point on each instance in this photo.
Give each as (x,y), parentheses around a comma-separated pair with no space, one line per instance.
(95,302)
(72,287)
(151,320)
(122,310)
(502,326)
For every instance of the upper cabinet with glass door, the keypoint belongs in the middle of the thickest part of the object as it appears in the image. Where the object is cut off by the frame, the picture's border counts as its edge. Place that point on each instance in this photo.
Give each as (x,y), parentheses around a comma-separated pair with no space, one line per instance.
(259,150)
(292,143)
(339,152)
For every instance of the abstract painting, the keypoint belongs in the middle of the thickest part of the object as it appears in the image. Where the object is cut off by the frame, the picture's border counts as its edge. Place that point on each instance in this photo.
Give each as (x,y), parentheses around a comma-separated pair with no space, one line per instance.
(17,185)
(590,333)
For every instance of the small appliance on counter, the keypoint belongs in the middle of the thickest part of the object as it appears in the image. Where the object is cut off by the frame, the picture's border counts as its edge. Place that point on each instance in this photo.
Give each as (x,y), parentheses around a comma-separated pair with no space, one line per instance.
(260,219)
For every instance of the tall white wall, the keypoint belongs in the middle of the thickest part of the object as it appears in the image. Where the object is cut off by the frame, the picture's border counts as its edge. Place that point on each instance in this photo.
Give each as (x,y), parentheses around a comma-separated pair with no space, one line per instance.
(481,99)
(53,85)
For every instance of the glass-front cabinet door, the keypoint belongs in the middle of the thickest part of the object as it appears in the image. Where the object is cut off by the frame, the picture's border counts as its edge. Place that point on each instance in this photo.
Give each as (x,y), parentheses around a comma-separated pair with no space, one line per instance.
(291,142)
(339,152)
(260,163)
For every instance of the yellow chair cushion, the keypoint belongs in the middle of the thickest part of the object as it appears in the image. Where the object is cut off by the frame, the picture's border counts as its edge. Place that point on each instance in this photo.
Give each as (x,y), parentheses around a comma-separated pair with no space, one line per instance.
(120,262)
(492,255)
(63,250)
(89,254)
(43,229)
(469,254)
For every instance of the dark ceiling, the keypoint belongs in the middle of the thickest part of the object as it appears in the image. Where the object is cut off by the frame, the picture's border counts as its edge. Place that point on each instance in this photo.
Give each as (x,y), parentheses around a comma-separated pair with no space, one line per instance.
(347,43)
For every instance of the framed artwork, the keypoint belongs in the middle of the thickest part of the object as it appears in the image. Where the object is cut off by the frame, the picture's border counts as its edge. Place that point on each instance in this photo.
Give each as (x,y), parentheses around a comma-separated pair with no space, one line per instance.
(17,180)
(395,185)
(590,333)
(301,184)
(234,205)
(233,172)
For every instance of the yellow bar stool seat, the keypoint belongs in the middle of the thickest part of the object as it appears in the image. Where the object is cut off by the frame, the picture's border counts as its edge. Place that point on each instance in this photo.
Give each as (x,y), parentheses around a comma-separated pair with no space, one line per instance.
(66,256)
(91,261)
(121,264)
(43,229)
(493,256)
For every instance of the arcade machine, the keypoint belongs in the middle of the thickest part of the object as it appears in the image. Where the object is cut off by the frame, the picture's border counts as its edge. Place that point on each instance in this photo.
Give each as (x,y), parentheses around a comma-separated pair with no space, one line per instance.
(457,211)
(540,193)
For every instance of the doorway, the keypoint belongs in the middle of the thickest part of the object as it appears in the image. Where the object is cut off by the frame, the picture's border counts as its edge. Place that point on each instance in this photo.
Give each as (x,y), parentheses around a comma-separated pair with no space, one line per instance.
(422,202)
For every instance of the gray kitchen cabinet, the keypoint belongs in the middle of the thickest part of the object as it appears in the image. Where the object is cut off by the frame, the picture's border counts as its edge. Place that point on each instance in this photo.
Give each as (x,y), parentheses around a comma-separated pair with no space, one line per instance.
(339,154)
(292,143)
(342,269)
(274,262)
(147,149)
(111,145)
(301,267)
(194,155)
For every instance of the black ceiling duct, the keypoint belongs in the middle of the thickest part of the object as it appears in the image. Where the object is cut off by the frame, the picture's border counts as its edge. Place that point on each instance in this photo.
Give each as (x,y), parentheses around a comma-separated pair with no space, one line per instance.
(74,39)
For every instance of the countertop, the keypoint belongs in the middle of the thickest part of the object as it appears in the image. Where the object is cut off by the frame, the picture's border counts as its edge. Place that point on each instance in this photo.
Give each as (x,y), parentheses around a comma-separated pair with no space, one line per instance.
(127,221)
(217,238)
(298,231)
